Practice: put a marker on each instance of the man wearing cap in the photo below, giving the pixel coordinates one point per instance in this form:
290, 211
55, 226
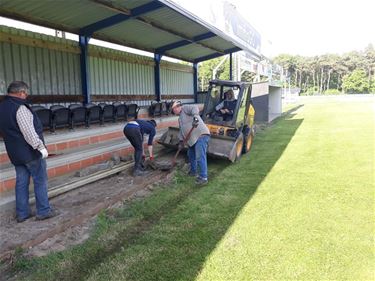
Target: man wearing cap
23, 137
198, 141
134, 131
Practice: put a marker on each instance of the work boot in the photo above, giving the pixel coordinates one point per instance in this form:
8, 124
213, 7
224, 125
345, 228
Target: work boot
31, 214
192, 173
52, 213
201, 181
138, 173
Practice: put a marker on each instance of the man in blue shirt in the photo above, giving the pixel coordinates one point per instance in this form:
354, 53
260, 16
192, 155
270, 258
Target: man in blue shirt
134, 131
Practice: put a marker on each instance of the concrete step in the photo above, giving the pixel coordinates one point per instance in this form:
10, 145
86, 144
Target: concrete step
68, 139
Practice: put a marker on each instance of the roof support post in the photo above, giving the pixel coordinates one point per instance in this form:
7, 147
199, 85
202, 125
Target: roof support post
195, 81
157, 59
85, 80
231, 66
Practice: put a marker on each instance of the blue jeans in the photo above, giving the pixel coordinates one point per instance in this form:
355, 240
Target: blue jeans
198, 156
37, 169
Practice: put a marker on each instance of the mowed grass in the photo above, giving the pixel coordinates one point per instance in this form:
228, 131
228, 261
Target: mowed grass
299, 206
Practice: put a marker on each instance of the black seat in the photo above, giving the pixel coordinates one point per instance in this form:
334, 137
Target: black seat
121, 111
94, 114
155, 109
132, 111
164, 108
44, 115
60, 116
108, 112
78, 115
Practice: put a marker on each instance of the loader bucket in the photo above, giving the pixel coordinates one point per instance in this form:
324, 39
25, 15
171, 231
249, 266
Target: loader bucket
219, 146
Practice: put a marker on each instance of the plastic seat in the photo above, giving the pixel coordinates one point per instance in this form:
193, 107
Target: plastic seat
155, 109
44, 114
60, 116
132, 111
94, 114
78, 115
108, 112
164, 108
121, 111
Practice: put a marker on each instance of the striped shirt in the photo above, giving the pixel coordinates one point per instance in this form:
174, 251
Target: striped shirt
25, 121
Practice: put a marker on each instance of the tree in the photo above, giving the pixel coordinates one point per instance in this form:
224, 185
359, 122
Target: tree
356, 82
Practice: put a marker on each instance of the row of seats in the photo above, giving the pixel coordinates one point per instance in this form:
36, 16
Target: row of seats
160, 108
58, 116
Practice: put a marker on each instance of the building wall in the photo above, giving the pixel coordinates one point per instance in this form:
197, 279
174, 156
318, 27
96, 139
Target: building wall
51, 66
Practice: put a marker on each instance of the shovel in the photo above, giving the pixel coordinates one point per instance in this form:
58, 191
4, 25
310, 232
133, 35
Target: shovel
172, 164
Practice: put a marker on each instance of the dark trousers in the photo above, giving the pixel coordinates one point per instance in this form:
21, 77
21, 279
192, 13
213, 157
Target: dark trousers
135, 137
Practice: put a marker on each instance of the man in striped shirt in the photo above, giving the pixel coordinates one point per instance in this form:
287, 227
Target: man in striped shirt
23, 137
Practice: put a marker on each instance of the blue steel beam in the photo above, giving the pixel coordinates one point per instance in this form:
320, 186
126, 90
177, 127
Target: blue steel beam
195, 81
113, 20
215, 55
85, 80
163, 49
157, 59
230, 66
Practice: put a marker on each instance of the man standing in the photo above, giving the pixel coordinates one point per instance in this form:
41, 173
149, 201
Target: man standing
23, 136
198, 141
134, 131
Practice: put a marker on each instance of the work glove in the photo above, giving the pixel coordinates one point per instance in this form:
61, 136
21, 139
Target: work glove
44, 153
180, 145
195, 122
151, 158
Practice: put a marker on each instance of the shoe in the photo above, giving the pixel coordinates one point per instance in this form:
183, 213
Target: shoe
31, 214
201, 181
192, 174
52, 213
138, 173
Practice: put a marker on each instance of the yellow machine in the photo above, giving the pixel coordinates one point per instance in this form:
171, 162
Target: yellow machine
231, 135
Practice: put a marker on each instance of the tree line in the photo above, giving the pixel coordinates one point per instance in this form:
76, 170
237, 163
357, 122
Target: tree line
352, 72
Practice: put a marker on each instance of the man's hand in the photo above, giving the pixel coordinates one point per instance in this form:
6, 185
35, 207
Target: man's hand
195, 122
180, 145
151, 158
44, 153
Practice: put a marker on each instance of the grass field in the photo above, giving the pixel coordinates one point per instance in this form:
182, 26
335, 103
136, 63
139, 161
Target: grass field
299, 206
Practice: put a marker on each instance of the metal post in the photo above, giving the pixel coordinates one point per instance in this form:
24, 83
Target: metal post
85, 79
230, 67
195, 81
157, 59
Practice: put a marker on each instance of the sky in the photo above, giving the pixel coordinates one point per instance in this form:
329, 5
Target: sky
304, 27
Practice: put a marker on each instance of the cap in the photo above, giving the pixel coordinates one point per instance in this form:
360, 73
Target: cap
176, 103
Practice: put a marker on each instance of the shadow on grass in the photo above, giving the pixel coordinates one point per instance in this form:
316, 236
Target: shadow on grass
178, 245
170, 237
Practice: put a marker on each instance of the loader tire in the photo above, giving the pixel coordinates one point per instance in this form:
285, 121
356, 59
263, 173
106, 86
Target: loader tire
248, 143
239, 146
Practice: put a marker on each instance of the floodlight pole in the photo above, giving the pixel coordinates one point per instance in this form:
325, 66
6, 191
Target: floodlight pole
230, 67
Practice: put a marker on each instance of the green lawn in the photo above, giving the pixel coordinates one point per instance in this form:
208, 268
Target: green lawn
300, 205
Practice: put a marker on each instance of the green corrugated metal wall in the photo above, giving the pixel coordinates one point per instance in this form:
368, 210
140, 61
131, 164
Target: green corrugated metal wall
50, 65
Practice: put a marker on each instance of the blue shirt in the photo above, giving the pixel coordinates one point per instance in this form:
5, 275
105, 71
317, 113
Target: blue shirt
146, 128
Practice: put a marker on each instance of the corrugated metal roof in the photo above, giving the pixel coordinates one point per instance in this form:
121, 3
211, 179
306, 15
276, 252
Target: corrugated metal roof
155, 26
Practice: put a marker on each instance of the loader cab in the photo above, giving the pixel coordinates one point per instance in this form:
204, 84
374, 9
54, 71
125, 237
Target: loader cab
215, 98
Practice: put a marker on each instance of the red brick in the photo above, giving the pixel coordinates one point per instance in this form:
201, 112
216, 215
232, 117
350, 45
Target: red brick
83, 142
73, 144
75, 166
62, 170
85, 163
4, 158
94, 139
61, 146
51, 173
97, 159
9, 184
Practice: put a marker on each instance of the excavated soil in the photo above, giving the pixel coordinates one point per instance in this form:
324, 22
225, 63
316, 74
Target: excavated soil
78, 209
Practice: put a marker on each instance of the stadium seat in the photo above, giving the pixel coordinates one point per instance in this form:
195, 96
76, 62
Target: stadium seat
155, 109
94, 114
120, 111
60, 117
108, 112
44, 115
132, 111
78, 115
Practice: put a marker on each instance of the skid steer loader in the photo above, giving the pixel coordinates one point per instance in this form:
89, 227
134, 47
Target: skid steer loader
231, 136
